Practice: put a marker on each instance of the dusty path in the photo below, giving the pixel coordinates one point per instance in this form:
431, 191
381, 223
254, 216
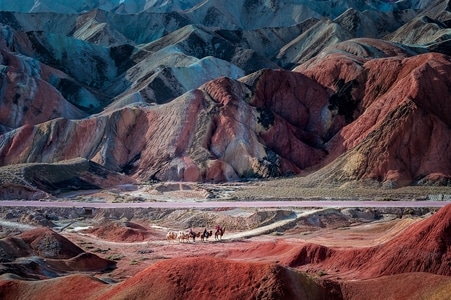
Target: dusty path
17, 225
271, 227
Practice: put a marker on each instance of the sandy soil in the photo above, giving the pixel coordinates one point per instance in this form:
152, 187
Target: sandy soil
133, 257
295, 238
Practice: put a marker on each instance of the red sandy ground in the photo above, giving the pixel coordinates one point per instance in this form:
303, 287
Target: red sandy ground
400, 259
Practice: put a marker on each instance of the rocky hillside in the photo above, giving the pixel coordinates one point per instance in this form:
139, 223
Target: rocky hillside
409, 259
42, 253
179, 90
423, 247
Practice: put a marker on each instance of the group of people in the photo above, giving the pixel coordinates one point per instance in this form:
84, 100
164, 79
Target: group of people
205, 234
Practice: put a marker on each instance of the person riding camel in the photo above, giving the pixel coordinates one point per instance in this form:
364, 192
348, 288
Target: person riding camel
191, 232
205, 232
218, 228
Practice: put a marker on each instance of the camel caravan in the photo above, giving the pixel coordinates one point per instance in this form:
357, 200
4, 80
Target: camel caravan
186, 236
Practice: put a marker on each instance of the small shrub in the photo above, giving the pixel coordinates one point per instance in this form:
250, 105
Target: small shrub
115, 257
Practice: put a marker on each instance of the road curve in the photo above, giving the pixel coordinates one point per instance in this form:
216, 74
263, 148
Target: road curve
226, 204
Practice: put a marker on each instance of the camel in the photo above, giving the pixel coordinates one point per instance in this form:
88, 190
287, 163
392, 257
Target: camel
194, 235
219, 233
205, 235
183, 236
171, 236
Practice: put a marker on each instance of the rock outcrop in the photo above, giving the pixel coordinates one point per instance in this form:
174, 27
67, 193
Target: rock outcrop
218, 92
42, 253
423, 247
274, 123
40, 181
396, 107
121, 232
222, 131
186, 277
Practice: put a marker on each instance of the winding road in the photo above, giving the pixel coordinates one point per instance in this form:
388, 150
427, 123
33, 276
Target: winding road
226, 204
